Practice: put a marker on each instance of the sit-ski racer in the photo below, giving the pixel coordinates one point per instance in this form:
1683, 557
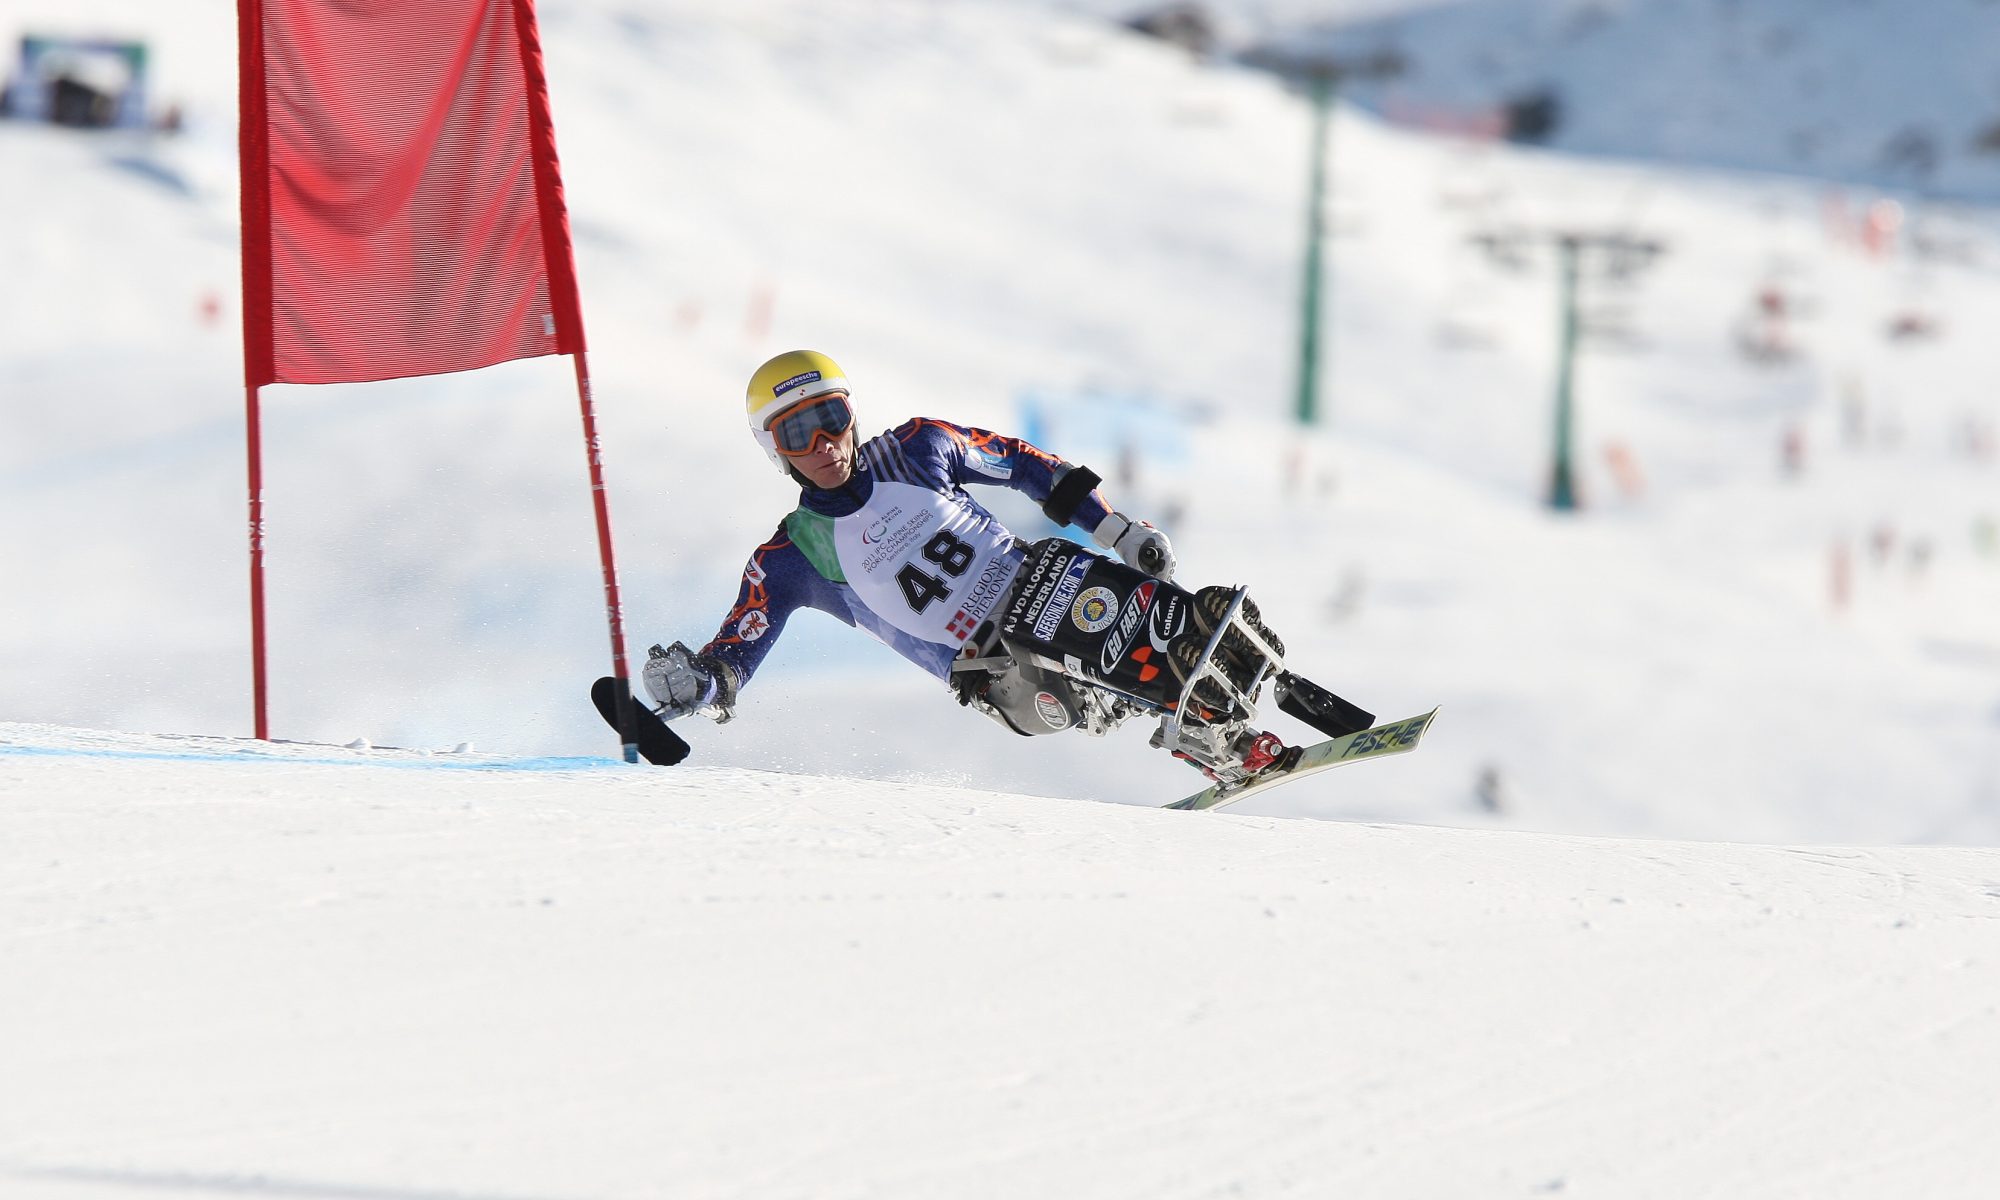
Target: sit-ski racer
887, 539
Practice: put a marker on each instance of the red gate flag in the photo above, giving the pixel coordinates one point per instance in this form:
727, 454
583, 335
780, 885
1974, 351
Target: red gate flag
402, 208
402, 215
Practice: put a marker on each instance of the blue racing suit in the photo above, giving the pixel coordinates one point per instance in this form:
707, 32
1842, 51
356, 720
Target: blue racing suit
901, 550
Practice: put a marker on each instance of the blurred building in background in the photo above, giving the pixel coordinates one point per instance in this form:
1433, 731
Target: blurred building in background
84, 83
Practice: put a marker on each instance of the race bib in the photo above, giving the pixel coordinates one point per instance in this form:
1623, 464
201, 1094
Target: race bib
924, 564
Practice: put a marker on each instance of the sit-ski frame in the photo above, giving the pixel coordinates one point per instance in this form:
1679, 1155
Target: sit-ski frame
1183, 730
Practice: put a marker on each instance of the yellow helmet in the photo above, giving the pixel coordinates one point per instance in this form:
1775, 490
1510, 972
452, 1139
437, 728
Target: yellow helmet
781, 383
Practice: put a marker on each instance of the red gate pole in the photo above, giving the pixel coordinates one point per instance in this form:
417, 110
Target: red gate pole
614, 611
254, 155
253, 426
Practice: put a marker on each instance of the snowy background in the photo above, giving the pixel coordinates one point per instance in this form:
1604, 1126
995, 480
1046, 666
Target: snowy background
867, 945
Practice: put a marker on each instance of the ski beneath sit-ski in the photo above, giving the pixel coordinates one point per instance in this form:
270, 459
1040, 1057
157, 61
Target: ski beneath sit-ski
1395, 737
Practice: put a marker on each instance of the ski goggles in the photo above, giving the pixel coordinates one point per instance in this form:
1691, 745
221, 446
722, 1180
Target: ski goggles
798, 430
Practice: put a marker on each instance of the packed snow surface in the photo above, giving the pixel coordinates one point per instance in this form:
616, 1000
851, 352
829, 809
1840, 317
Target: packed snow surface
288, 970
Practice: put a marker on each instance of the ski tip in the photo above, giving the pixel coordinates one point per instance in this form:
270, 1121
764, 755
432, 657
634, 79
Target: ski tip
1379, 741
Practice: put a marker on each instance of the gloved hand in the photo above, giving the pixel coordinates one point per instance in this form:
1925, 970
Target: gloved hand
1138, 543
680, 681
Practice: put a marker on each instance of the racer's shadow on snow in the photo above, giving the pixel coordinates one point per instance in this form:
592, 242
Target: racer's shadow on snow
242, 1185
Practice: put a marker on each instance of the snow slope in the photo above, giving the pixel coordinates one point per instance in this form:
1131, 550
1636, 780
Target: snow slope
1867, 91
1877, 93
1035, 201
293, 970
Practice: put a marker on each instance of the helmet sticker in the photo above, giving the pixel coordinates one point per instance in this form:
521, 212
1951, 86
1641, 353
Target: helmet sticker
798, 380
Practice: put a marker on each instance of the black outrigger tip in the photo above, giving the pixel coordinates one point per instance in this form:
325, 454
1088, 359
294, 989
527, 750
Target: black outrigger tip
1319, 708
657, 743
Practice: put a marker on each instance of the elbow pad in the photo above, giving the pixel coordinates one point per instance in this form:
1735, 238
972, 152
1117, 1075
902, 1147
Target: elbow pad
1073, 486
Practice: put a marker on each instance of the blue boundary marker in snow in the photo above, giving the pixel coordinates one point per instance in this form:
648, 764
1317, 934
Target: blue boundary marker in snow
438, 763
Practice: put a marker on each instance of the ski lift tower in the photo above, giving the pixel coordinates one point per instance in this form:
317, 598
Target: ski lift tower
1319, 72
1615, 254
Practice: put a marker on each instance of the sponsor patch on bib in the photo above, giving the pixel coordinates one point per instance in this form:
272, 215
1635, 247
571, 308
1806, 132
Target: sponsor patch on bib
1095, 610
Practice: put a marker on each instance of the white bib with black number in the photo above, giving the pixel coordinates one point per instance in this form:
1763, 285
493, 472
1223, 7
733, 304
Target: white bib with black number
924, 564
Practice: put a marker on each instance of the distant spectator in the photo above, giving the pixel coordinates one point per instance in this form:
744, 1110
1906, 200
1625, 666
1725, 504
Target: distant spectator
1919, 559
1882, 542
1792, 455
1533, 117
1185, 25
1880, 227
1853, 411
1490, 789
1623, 463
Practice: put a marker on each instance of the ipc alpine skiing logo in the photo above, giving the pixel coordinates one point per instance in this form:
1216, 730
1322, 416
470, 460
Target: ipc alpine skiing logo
880, 529
1094, 611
